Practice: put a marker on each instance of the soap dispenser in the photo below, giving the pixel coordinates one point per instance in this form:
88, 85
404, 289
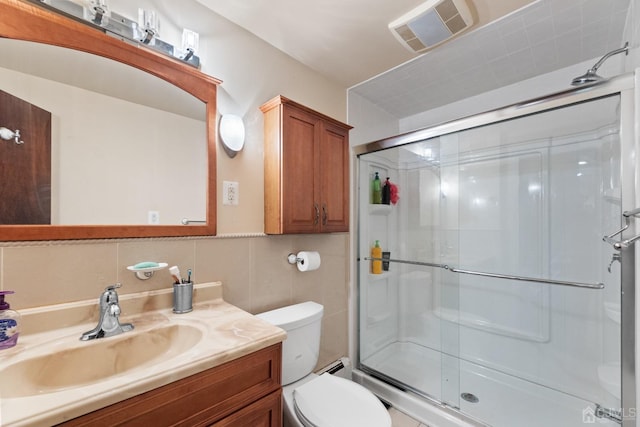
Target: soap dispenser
9, 323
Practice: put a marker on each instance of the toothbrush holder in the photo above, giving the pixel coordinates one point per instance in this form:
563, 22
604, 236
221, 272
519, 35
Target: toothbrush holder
182, 297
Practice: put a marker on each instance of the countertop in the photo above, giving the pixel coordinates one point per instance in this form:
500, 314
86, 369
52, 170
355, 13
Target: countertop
228, 333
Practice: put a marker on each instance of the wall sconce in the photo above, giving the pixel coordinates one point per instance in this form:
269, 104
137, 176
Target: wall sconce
231, 134
8, 135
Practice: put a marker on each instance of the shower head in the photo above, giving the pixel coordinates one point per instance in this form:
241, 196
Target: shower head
588, 78
591, 77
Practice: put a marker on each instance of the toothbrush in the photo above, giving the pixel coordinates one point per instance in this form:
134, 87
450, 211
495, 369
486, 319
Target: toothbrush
189, 276
175, 272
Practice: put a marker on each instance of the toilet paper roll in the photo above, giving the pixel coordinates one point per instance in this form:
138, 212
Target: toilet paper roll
308, 260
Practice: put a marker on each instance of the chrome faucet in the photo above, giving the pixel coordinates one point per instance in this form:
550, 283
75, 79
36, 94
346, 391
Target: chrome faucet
108, 323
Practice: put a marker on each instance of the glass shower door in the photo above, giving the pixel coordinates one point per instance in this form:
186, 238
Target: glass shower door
536, 195
501, 298
401, 339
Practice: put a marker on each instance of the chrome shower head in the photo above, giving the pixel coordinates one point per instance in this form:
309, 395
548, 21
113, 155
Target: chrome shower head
588, 78
591, 77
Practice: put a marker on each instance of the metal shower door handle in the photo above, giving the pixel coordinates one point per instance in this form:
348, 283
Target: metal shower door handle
619, 245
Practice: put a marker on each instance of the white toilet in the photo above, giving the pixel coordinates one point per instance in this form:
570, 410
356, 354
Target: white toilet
312, 400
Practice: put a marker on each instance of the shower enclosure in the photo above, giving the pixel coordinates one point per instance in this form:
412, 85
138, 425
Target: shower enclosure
501, 302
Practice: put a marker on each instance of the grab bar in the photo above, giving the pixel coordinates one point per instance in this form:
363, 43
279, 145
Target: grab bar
598, 285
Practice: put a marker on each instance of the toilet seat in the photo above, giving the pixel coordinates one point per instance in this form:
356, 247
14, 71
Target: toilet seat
330, 401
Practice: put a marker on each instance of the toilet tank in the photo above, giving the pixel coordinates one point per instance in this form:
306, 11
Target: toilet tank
301, 348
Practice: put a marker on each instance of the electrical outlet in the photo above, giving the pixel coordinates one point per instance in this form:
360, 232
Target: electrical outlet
230, 193
153, 217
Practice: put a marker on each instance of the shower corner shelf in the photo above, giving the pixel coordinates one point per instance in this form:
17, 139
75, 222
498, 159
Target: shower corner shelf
382, 210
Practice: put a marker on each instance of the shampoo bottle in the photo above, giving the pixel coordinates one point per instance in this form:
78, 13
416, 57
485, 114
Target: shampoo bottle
377, 190
9, 323
376, 263
386, 192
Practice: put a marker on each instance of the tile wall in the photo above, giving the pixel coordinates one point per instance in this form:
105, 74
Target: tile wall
254, 271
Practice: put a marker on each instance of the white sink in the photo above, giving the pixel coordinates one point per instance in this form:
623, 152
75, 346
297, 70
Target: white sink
93, 361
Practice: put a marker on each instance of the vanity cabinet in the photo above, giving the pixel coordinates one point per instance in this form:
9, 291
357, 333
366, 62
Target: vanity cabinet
240, 393
306, 170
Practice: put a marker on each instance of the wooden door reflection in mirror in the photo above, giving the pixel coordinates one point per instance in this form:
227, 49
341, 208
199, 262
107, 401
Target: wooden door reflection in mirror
25, 176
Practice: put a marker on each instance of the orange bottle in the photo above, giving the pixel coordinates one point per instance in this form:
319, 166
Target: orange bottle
376, 263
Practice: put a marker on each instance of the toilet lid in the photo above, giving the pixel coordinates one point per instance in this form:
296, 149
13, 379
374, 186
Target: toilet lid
330, 401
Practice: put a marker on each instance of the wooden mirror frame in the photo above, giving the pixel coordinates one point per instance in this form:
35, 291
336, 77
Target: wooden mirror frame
29, 22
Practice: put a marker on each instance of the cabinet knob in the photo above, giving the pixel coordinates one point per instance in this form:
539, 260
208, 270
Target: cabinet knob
324, 214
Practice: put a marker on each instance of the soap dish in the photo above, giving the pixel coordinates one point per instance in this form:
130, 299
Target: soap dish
144, 273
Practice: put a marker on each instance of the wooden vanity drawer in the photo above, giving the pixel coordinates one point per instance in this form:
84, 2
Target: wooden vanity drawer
251, 382
266, 412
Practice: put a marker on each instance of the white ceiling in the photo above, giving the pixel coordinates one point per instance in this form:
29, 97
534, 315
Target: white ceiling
349, 42
346, 40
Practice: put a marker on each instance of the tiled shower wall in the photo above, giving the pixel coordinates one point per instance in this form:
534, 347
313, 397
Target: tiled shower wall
253, 270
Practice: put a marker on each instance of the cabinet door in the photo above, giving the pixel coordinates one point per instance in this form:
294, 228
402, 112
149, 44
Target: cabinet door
301, 208
266, 412
334, 175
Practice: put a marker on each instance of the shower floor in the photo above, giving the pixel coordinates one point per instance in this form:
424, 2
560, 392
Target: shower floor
413, 365
503, 400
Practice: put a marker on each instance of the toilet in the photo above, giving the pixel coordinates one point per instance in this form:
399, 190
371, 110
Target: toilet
312, 400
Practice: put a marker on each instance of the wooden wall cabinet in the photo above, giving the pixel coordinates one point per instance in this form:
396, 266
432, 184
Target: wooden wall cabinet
240, 393
306, 170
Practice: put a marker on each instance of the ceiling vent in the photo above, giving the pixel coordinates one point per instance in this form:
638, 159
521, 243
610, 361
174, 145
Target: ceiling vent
432, 23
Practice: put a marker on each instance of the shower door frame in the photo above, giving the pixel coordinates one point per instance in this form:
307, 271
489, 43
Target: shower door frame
624, 85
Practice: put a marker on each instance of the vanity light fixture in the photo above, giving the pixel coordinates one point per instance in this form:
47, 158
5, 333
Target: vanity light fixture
144, 31
96, 11
190, 44
231, 134
148, 31
149, 25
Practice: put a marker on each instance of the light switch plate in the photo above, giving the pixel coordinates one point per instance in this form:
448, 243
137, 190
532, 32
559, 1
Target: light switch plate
153, 217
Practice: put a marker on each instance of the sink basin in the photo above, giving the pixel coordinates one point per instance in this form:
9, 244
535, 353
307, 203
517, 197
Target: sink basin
96, 360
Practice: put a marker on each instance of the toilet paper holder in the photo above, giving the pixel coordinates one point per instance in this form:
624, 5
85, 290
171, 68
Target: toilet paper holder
293, 259
305, 260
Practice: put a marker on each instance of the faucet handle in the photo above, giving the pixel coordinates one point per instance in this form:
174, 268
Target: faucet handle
109, 296
113, 287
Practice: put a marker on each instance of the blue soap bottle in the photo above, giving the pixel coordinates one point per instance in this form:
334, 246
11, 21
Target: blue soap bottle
9, 323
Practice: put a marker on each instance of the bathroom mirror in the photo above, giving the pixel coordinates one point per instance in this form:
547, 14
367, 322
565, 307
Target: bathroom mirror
138, 148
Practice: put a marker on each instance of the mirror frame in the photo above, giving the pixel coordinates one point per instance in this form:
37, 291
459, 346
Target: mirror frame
26, 21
